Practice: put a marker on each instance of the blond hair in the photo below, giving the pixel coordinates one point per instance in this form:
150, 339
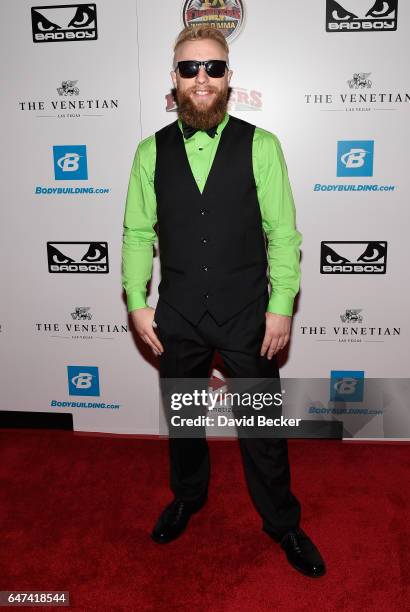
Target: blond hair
201, 32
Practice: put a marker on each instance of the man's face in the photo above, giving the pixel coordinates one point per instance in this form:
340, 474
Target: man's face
202, 100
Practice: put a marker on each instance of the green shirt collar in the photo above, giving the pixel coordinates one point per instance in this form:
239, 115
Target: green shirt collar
221, 125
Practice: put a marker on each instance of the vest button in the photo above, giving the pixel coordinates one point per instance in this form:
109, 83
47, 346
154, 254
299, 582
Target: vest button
206, 295
202, 211
204, 240
205, 268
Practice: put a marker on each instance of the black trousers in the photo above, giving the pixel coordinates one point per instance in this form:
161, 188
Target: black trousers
188, 353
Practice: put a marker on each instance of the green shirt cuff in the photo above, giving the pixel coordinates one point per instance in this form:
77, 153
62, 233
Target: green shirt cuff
136, 300
280, 304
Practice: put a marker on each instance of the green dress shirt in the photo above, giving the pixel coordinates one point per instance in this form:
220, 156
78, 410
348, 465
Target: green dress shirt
275, 201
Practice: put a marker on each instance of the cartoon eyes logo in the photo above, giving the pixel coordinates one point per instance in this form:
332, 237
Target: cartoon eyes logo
84, 16
97, 251
63, 23
373, 252
347, 10
78, 257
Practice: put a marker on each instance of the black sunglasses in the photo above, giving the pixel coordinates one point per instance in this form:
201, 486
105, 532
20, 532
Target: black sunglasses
190, 68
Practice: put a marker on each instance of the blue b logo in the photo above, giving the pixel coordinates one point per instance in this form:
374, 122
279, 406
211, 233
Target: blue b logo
70, 162
346, 385
83, 380
355, 158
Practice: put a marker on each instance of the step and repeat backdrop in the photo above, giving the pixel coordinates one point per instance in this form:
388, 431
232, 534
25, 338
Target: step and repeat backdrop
84, 83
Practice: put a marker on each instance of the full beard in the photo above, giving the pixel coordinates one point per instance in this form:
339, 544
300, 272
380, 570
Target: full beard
202, 117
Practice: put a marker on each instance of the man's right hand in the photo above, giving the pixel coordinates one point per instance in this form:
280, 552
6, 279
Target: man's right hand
142, 319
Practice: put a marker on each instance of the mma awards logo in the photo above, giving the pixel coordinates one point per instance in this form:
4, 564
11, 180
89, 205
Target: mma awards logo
361, 15
353, 257
224, 15
64, 22
78, 257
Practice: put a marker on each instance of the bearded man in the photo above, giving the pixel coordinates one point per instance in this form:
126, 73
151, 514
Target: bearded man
213, 187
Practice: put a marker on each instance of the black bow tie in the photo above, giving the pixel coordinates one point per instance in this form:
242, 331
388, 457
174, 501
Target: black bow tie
189, 131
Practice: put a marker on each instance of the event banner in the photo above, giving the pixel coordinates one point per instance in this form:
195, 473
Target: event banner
84, 83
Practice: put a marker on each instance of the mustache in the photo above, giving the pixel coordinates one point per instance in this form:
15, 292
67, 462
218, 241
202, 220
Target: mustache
191, 89
207, 88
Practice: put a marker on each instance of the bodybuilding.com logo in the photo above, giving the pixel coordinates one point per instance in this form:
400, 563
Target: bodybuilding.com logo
354, 159
83, 380
64, 22
70, 164
353, 402
346, 385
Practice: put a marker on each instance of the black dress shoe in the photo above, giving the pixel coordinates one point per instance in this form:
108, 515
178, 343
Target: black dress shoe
302, 554
174, 519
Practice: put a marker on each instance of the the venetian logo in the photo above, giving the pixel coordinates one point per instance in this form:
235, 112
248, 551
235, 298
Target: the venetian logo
68, 88
81, 313
352, 315
224, 15
360, 80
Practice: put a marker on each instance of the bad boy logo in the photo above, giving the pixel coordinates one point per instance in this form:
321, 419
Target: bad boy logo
78, 257
353, 257
361, 15
64, 22
224, 15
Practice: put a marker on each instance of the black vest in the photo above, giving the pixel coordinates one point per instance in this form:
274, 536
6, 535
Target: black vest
212, 246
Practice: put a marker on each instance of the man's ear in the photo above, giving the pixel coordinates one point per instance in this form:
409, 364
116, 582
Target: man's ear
174, 77
230, 73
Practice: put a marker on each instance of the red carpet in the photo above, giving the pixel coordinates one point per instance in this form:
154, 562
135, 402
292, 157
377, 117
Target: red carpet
76, 512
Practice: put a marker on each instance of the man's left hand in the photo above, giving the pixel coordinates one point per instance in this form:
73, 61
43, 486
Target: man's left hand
277, 333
